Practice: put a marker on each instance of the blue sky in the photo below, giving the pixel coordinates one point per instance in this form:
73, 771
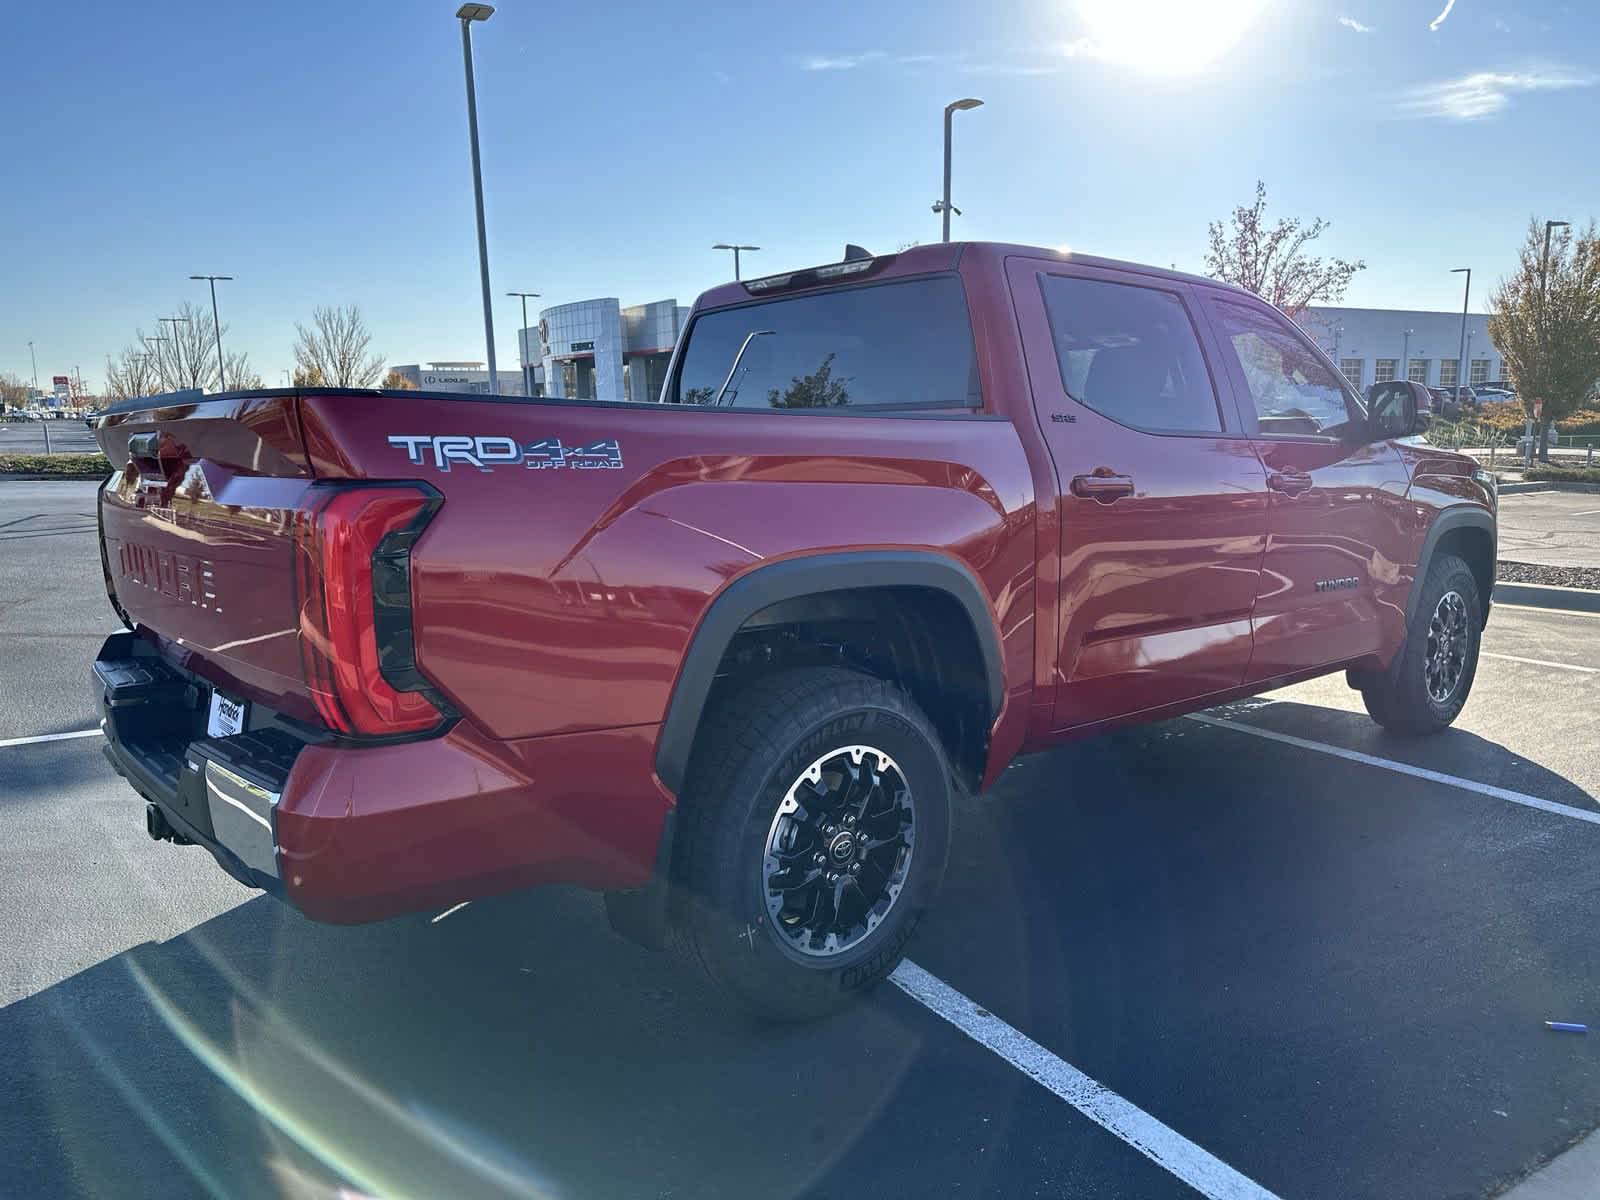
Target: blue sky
318, 152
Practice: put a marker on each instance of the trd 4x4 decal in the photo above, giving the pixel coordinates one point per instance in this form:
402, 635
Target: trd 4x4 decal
486, 453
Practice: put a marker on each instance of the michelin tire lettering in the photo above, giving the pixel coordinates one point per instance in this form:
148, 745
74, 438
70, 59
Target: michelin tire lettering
487, 453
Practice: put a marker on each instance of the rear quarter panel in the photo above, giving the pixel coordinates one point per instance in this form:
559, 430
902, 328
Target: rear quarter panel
557, 600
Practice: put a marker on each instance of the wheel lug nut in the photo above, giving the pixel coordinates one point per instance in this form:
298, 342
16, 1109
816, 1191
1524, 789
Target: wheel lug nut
819, 858
855, 868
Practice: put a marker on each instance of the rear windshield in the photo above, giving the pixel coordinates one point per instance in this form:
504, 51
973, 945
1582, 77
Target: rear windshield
889, 345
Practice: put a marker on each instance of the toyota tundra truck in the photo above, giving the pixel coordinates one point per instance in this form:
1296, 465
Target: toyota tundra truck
731, 656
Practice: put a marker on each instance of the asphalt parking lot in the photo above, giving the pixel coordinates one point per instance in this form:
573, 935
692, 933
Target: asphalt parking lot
1272, 951
1558, 528
66, 437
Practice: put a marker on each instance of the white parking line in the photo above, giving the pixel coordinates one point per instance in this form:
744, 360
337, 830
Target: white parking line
49, 737
1388, 764
1201, 1170
1588, 512
1539, 662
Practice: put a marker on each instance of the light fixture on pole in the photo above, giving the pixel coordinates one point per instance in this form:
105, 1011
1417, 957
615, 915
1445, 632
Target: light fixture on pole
942, 207
522, 343
468, 13
216, 324
735, 249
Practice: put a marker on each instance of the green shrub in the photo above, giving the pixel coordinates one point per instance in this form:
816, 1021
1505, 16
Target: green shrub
83, 466
1551, 473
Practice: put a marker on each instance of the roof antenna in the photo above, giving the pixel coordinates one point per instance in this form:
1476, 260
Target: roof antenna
855, 253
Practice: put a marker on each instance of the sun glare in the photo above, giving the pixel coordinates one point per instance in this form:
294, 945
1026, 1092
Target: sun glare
1167, 37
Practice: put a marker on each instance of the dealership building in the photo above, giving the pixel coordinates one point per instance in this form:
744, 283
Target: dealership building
598, 350
470, 377
1374, 344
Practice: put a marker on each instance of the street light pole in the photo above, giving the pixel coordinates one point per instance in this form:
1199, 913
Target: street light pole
161, 368
177, 346
468, 13
950, 111
735, 249
1405, 356
1544, 311
216, 324
35, 363
522, 343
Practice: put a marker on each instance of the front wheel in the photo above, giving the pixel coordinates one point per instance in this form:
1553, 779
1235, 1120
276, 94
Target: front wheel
814, 831
1425, 688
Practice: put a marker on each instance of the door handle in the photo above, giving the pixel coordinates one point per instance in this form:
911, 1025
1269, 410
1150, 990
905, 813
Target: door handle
1104, 488
1290, 483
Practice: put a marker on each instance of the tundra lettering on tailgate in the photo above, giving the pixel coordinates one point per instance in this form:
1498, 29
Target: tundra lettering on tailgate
177, 576
486, 453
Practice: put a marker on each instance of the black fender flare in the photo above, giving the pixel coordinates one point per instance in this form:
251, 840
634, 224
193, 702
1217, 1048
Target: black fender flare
791, 579
1463, 516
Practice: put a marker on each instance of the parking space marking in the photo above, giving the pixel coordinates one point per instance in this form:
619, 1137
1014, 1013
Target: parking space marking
1160, 1143
1389, 764
1588, 512
1540, 608
1539, 662
48, 737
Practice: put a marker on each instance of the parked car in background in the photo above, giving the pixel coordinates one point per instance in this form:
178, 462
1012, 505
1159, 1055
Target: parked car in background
730, 658
1443, 404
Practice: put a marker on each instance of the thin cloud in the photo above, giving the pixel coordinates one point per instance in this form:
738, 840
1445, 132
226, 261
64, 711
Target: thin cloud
1439, 20
1486, 93
1021, 62
842, 62
1352, 23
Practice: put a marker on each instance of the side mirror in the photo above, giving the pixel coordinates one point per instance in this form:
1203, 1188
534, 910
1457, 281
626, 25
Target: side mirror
1397, 408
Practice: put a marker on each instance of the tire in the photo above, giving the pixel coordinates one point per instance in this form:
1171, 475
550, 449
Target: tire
769, 747
1425, 688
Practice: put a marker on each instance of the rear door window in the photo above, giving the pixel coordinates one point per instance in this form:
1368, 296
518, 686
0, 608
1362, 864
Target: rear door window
1131, 353
1294, 391
881, 346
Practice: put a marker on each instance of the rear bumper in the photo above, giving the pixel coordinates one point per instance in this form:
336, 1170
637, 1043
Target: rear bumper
349, 834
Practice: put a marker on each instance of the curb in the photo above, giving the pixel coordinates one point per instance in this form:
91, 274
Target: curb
13, 477
1547, 595
1546, 485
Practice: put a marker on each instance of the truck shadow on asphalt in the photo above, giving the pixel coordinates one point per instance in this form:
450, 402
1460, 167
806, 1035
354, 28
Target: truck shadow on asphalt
1455, 751
1188, 914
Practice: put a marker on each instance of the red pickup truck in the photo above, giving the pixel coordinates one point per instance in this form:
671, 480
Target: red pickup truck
729, 657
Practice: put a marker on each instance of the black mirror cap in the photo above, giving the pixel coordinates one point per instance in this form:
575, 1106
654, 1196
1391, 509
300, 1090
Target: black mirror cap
1414, 414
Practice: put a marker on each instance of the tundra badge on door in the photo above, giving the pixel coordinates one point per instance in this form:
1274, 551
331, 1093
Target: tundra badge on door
1338, 585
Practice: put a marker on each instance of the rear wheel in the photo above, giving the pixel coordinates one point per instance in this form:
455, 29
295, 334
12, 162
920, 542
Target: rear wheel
1425, 688
815, 827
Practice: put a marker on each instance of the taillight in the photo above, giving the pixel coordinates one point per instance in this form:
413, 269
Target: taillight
353, 584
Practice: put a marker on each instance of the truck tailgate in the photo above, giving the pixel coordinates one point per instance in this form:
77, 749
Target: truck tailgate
197, 525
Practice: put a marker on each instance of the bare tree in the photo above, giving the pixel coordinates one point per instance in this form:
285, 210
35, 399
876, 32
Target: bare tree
13, 391
1271, 260
335, 350
241, 375
184, 353
132, 373
1545, 320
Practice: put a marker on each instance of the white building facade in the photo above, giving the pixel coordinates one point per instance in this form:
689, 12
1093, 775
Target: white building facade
598, 350
469, 377
1372, 345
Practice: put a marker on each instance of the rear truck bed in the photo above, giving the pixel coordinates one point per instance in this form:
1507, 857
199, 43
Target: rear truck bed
449, 631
